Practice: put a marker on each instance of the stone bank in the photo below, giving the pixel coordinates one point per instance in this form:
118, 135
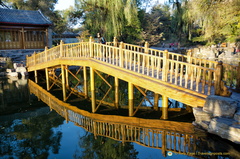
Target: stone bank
220, 116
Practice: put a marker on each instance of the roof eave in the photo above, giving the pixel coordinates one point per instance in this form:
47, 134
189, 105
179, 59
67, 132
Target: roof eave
25, 24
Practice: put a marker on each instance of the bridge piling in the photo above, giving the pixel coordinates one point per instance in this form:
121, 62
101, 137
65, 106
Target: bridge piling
67, 76
130, 98
116, 81
92, 81
47, 78
35, 76
156, 99
85, 81
164, 107
63, 82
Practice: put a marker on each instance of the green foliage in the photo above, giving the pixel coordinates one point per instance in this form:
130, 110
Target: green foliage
112, 18
218, 19
156, 24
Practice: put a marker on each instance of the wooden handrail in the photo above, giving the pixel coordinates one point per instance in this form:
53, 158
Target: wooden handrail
191, 73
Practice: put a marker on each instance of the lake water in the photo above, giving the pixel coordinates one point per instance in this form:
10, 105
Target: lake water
29, 128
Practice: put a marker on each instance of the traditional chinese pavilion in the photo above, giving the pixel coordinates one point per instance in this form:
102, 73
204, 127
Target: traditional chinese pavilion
24, 29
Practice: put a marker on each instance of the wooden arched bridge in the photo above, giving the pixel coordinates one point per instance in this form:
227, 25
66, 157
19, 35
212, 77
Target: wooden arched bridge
180, 77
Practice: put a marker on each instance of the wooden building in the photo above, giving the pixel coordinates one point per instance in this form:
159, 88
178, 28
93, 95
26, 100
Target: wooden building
24, 29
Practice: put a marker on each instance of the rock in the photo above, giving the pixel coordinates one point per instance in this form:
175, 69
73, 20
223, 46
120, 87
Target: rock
201, 115
21, 69
237, 116
203, 124
225, 128
12, 74
8, 70
220, 106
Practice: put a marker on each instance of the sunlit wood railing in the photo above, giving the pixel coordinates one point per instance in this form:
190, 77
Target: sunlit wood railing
182, 70
181, 140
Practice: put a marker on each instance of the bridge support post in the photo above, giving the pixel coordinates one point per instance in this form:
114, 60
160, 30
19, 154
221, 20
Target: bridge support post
63, 82
92, 90
164, 107
35, 75
130, 98
156, 99
116, 92
67, 80
85, 81
47, 78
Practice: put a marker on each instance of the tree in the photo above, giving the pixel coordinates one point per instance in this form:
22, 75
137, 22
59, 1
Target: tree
156, 24
112, 18
219, 20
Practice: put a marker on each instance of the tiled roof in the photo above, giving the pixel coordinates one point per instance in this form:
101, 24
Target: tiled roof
24, 17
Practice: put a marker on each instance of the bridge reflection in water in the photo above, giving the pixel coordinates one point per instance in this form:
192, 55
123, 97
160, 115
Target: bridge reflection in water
176, 137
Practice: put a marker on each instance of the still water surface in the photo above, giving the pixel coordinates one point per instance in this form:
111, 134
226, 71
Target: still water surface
31, 129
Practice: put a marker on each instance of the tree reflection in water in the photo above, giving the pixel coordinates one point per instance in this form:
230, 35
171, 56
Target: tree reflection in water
103, 147
31, 138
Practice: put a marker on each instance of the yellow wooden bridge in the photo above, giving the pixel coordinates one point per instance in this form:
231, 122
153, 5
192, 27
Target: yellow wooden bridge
180, 77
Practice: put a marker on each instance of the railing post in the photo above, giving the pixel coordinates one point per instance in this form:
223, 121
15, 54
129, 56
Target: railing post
218, 77
61, 48
115, 41
189, 56
46, 56
238, 77
146, 49
91, 46
121, 54
165, 66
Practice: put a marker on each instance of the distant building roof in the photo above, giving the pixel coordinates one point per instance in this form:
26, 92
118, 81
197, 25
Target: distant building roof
22, 17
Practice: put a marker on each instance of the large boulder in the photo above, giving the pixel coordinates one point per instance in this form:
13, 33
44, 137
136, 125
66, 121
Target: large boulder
225, 128
201, 115
237, 116
220, 106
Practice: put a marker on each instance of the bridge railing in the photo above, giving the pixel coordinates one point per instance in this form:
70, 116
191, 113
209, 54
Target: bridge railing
185, 71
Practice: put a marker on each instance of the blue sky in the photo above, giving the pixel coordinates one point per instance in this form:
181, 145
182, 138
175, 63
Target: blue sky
64, 4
